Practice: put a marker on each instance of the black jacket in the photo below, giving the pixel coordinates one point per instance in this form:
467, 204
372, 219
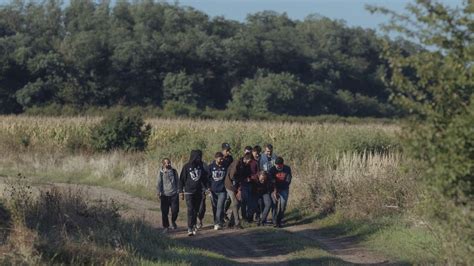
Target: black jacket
193, 177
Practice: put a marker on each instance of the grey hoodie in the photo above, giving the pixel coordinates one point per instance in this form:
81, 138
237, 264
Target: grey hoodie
168, 182
266, 164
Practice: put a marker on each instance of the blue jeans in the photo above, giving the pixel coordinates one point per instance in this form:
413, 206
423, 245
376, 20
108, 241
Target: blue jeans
218, 202
248, 204
279, 213
264, 204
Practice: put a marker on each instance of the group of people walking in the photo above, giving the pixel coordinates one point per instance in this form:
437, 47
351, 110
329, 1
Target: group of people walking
249, 187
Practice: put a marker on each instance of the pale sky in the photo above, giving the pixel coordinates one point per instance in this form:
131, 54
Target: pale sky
352, 11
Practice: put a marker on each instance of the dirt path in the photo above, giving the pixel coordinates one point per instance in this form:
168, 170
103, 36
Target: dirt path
241, 246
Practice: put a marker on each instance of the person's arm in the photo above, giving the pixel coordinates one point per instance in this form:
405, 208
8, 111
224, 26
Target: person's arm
254, 171
159, 185
205, 179
289, 176
182, 182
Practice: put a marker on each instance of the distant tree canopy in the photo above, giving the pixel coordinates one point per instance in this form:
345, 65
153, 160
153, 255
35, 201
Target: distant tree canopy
148, 53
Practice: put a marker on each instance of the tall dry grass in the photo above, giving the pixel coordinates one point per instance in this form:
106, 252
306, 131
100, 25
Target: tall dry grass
355, 168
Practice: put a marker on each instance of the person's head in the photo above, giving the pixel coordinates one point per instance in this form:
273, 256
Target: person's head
225, 149
247, 158
195, 157
219, 157
279, 163
166, 163
248, 150
269, 150
256, 152
262, 177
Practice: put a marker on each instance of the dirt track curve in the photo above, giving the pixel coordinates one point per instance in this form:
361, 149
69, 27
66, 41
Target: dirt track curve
240, 246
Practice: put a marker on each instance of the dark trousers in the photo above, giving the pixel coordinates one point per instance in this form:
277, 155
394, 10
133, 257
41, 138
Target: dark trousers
248, 203
167, 202
202, 207
193, 201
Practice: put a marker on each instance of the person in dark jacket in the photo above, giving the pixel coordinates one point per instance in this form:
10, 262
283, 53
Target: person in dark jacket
202, 205
226, 151
192, 182
237, 171
217, 173
264, 190
280, 175
167, 192
247, 187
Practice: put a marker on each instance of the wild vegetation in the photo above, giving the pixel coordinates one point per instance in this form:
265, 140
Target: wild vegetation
147, 53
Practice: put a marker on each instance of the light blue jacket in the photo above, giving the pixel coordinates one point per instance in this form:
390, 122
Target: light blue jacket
266, 164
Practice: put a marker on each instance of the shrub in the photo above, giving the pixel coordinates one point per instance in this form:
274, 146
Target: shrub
121, 131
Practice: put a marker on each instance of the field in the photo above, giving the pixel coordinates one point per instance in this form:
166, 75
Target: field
341, 172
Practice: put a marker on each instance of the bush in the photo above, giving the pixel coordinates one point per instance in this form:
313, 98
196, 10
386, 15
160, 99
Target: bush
121, 131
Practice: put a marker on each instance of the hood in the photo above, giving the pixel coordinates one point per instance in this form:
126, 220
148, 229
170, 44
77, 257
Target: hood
195, 156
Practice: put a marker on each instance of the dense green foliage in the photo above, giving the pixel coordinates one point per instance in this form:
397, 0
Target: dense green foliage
441, 99
152, 53
440, 96
121, 131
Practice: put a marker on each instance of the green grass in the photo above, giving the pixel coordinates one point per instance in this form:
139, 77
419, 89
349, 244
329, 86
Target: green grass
392, 236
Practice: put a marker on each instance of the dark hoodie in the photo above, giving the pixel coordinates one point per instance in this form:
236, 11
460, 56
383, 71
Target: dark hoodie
217, 177
193, 177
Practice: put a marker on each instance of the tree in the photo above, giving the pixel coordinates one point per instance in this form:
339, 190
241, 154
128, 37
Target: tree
440, 96
182, 88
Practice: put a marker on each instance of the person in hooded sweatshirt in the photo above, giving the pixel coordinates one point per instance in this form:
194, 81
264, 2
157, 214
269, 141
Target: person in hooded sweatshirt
248, 189
167, 192
280, 175
192, 182
202, 205
217, 173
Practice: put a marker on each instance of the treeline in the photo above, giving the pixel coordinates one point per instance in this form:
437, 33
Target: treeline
157, 54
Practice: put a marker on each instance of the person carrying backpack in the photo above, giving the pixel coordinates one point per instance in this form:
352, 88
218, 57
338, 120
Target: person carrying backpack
280, 175
217, 173
192, 182
167, 192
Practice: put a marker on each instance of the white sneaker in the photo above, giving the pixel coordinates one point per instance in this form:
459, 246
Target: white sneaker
194, 232
190, 232
199, 225
217, 227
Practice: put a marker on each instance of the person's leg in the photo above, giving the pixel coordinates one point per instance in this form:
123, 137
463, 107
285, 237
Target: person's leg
234, 207
197, 204
202, 209
214, 200
276, 209
265, 207
190, 205
251, 205
174, 209
221, 196
165, 206
244, 202
283, 202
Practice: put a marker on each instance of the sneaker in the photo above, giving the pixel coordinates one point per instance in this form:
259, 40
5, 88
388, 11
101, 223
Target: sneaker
199, 225
174, 226
165, 230
217, 227
190, 232
194, 231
